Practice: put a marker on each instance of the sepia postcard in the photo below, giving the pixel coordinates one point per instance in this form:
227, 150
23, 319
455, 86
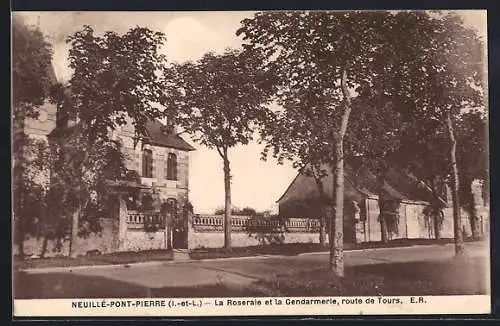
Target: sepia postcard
240, 163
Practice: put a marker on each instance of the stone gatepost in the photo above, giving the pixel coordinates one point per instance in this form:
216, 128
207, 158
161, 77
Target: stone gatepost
115, 214
168, 228
190, 232
122, 223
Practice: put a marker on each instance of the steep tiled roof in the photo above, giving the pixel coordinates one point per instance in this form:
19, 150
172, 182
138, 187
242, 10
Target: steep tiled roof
363, 183
158, 136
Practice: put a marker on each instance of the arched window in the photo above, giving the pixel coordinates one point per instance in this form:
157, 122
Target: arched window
147, 163
171, 167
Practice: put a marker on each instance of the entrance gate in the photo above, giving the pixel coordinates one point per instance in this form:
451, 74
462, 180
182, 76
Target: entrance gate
178, 229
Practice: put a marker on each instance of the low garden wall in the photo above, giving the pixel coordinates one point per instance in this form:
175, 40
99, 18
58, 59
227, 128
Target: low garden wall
207, 231
101, 241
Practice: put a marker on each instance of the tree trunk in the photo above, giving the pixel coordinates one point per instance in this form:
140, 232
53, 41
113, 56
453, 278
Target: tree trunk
454, 186
336, 238
471, 208
383, 227
384, 231
74, 232
19, 225
227, 202
437, 226
44, 246
336, 262
322, 229
474, 223
435, 209
323, 209
20, 246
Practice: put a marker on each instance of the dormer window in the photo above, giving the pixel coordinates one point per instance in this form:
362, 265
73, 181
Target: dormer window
168, 128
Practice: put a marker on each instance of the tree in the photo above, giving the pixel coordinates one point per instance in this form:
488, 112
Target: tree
218, 100
286, 136
472, 158
78, 192
436, 70
30, 188
373, 143
32, 74
325, 56
115, 77
31, 81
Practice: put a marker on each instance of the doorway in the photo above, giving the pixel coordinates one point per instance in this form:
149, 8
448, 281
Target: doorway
178, 229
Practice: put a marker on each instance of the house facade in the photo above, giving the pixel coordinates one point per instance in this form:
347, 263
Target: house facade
150, 212
405, 203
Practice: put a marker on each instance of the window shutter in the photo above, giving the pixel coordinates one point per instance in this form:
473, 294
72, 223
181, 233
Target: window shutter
137, 162
174, 167
152, 166
165, 168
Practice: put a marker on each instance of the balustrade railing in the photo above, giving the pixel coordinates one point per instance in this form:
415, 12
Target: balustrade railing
145, 220
215, 223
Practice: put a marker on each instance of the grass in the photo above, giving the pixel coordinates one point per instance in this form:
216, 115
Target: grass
465, 277
126, 257
298, 248
208, 253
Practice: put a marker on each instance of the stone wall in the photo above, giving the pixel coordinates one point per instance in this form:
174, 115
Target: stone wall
206, 231
102, 241
133, 237
137, 240
240, 239
413, 224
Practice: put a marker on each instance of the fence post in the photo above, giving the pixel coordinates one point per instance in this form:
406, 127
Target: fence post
168, 228
189, 229
122, 222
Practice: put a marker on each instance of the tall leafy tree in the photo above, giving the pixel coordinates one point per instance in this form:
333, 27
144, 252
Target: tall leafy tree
30, 189
115, 77
436, 69
321, 58
32, 77
219, 100
472, 158
287, 136
373, 143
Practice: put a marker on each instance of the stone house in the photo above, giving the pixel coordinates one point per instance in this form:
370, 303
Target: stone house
405, 199
161, 159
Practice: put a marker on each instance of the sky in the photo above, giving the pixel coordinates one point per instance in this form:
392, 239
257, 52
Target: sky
255, 183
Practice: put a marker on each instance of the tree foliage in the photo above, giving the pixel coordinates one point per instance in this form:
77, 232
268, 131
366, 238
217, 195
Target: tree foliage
322, 60
116, 80
219, 100
436, 70
31, 81
472, 158
31, 69
115, 77
30, 188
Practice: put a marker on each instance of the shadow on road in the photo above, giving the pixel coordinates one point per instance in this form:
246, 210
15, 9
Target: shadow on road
396, 279
68, 285
413, 278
